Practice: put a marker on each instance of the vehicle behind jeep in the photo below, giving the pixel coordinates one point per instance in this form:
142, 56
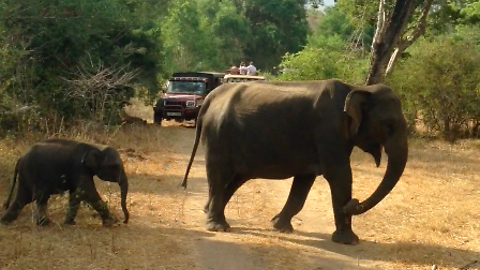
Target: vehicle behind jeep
184, 94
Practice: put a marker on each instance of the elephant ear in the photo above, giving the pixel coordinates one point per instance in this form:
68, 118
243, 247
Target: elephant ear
355, 105
91, 159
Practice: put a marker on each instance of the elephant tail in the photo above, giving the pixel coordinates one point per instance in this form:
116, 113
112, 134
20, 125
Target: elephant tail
6, 205
198, 133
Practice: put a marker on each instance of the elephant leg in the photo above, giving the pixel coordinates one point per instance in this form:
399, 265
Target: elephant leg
89, 192
217, 175
207, 205
23, 197
230, 189
101, 207
296, 199
42, 204
341, 190
72, 210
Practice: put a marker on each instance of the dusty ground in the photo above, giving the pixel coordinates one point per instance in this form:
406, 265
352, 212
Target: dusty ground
431, 217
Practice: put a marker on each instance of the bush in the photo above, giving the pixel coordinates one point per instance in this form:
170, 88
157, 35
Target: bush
440, 83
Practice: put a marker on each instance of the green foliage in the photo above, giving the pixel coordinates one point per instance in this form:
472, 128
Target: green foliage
336, 22
184, 41
46, 45
213, 34
313, 18
471, 12
334, 50
332, 60
204, 35
231, 32
277, 27
362, 12
447, 14
441, 83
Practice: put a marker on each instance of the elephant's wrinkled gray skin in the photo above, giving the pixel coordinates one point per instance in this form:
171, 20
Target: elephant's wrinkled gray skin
276, 130
57, 165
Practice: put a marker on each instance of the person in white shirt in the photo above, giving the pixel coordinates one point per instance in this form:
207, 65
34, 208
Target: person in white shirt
251, 69
243, 69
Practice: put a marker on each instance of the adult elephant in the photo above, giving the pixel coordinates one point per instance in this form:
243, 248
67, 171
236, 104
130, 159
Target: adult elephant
276, 130
57, 165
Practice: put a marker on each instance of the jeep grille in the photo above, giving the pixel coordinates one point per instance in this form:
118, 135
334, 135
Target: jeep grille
174, 103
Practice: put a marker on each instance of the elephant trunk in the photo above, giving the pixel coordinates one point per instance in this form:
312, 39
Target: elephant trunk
123, 182
397, 150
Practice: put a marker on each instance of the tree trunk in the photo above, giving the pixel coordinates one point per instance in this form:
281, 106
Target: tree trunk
387, 36
416, 31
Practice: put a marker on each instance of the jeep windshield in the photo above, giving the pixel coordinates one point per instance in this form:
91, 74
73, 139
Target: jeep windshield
186, 87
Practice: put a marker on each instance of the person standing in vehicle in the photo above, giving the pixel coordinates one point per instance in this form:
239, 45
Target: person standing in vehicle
243, 69
251, 69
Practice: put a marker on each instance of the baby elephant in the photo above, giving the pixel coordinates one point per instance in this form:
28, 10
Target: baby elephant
57, 165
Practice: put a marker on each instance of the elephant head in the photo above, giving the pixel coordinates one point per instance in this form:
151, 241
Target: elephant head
375, 120
107, 165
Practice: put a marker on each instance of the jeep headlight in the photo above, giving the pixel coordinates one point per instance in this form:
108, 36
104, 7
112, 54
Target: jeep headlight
191, 103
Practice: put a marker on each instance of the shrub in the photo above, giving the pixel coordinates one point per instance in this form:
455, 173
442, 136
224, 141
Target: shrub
440, 83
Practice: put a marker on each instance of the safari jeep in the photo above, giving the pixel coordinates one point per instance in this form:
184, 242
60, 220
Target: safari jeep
184, 94
233, 78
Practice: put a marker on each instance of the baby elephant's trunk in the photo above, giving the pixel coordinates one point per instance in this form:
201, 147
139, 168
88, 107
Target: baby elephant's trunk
123, 182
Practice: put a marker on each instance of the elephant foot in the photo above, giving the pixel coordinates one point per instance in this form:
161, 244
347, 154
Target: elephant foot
347, 237
218, 226
69, 222
44, 221
109, 221
282, 225
5, 221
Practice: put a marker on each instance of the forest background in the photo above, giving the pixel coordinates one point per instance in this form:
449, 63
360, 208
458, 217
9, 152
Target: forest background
63, 62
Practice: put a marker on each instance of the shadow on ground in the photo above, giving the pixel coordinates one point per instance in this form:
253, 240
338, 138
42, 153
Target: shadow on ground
408, 252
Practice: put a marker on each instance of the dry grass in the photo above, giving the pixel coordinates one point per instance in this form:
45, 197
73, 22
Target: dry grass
431, 217
142, 244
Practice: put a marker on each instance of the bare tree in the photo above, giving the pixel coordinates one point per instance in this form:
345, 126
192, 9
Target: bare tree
392, 36
99, 89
